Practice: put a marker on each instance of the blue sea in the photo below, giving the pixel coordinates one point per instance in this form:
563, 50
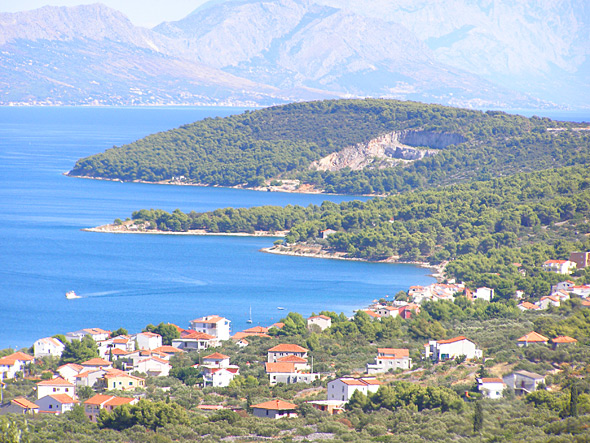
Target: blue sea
133, 280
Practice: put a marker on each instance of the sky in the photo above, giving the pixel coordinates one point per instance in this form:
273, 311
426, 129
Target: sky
146, 13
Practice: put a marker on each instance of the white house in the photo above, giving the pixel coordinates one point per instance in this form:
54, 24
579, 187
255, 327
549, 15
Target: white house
388, 311
484, 293
454, 347
90, 377
96, 334
121, 343
390, 358
212, 325
284, 350
549, 300
523, 382
491, 387
48, 346
321, 321
56, 385
93, 405
274, 409
56, 403
13, 363
69, 371
153, 366
148, 340
559, 266
342, 388
286, 372
196, 341
217, 370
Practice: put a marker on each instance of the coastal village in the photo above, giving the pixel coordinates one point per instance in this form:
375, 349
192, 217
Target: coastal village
125, 365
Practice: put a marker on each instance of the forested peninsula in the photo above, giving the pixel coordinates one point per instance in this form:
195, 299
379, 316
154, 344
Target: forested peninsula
366, 146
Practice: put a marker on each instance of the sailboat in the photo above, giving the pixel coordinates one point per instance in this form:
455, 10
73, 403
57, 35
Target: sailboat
250, 319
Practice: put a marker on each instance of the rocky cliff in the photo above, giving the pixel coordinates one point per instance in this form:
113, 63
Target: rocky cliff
388, 150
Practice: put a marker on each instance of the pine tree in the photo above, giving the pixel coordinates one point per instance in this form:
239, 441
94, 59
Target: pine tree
478, 417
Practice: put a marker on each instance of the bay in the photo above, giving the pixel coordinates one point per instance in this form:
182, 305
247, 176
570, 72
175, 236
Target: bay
132, 280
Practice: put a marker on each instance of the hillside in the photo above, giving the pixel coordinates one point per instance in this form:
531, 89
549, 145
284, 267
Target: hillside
346, 146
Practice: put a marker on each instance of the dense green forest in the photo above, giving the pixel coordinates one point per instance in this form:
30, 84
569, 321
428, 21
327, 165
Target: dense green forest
484, 227
281, 142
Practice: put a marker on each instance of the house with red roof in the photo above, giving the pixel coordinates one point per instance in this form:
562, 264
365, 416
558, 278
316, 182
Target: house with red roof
56, 404
390, 359
549, 300
48, 346
322, 322
153, 366
169, 350
388, 311
275, 409
90, 377
56, 385
212, 325
93, 405
532, 338
342, 388
527, 306
491, 387
196, 341
97, 363
69, 371
563, 340
96, 334
117, 379
19, 405
287, 372
441, 350
13, 363
217, 370
559, 266
284, 350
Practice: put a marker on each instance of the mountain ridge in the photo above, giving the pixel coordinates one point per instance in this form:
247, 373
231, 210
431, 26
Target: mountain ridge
58, 55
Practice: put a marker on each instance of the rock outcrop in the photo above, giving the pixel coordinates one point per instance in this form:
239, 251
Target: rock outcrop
388, 150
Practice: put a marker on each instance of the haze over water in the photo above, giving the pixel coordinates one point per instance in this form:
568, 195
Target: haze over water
132, 280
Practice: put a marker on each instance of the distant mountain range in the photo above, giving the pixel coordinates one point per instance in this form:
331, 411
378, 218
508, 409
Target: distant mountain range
261, 52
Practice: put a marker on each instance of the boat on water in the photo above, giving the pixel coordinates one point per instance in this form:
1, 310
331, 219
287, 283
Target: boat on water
71, 294
250, 318
280, 308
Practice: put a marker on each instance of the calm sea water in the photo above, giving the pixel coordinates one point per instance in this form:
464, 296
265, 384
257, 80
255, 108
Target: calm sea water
133, 280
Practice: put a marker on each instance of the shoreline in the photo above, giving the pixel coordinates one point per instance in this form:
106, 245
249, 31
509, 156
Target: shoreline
112, 229
297, 251
309, 189
438, 270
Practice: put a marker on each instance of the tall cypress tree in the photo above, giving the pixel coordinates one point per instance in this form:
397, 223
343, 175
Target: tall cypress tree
478, 417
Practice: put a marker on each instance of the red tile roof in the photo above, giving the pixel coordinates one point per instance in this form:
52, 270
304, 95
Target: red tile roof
167, 349
118, 351
58, 381
276, 405
11, 359
282, 367
533, 337
452, 340
287, 348
278, 325
325, 317
216, 356
195, 335
96, 362
564, 339
63, 398
392, 352
257, 329
491, 380
528, 305
292, 359
210, 319
74, 366
240, 335
24, 403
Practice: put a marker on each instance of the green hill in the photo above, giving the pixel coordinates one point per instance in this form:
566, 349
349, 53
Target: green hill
282, 142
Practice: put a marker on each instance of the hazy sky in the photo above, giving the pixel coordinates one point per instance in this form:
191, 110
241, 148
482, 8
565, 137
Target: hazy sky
146, 13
